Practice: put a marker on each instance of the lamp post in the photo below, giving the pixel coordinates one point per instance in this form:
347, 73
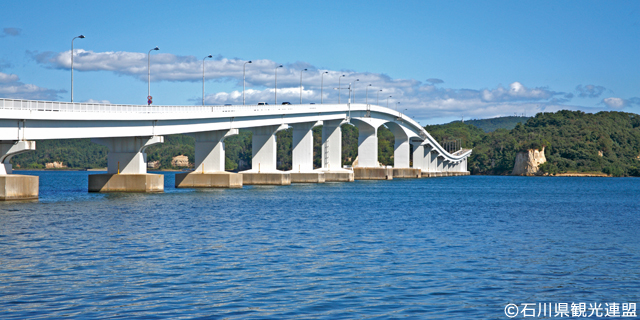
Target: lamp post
322, 85
244, 68
276, 90
339, 78
81, 37
366, 99
149, 69
388, 101
354, 91
378, 96
301, 71
209, 56
397, 104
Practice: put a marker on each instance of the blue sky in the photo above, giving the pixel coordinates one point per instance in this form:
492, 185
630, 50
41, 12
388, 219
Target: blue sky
440, 59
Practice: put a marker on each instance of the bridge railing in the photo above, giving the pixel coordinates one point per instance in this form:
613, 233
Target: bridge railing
57, 106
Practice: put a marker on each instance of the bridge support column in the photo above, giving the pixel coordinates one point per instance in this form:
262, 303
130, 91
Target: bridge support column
210, 163
332, 153
418, 155
368, 167
127, 166
16, 186
426, 161
263, 163
401, 160
302, 155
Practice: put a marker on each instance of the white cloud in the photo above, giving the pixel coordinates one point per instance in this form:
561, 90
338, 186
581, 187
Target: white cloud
12, 88
619, 103
421, 99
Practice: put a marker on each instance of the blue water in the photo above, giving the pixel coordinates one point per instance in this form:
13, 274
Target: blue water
446, 248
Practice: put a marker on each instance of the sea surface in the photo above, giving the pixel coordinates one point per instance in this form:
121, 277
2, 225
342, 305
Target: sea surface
439, 248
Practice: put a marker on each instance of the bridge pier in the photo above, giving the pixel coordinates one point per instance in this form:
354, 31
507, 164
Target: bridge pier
368, 167
401, 152
302, 154
332, 153
16, 186
210, 163
127, 166
263, 163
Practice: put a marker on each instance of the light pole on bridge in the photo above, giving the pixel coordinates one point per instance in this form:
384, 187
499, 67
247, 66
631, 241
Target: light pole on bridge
322, 85
209, 56
244, 68
388, 101
149, 71
276, 89
81, 37
378, 96
353, 100
339, 78
366, 99
301, 84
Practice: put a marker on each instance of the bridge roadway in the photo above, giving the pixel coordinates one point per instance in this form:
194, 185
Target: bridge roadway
127, 130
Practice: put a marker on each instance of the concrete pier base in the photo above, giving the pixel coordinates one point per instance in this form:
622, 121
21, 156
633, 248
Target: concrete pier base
18, 187
338, 175
209, 180
372, 173
266, 178
108, 182
407, 173
444, 174
307, 177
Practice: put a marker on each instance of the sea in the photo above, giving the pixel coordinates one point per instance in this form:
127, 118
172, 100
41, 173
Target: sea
471, 247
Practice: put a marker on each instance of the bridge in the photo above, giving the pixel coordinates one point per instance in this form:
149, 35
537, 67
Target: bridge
127, 130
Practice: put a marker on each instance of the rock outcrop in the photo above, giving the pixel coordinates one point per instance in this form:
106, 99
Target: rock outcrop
54, 165
153, 164
527, 162
180, 161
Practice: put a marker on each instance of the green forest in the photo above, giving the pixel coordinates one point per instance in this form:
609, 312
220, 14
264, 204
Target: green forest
574, 141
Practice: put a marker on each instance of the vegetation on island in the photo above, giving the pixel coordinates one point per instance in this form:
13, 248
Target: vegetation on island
574, 141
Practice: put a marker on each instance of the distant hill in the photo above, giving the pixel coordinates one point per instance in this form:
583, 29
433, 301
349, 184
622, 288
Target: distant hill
491, 125
573, 141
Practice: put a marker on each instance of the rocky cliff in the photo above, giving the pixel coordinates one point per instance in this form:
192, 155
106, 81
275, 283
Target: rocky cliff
527, 162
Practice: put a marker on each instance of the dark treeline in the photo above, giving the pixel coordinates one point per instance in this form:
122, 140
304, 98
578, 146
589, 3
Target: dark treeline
574, 141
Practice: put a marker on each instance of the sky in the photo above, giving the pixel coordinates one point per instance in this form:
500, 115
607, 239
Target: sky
436, 61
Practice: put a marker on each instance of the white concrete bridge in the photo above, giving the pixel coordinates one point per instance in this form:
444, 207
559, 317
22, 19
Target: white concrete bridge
127, 130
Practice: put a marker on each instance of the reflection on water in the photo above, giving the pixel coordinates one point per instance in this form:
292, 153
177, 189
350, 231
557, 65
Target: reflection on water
460, 247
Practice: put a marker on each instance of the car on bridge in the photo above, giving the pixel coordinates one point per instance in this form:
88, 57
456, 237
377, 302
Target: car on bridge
286, 103
262, 103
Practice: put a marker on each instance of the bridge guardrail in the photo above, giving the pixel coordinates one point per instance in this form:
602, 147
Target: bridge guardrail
57, 106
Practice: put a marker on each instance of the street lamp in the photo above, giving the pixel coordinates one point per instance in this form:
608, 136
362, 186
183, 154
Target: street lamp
397, 104
209, 56
149, 70
244, 68
388, 101
276, 91
339, 78
301, 84
322, 84
378, 96
354, 91
81, 37
367, 95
